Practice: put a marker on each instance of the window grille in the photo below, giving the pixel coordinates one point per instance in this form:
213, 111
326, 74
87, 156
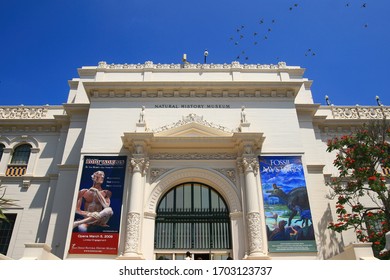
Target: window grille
192, 216
20, 157
21, 154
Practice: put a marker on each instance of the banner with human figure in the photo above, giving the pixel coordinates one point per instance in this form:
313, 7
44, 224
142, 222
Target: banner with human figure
98, 206
288, 217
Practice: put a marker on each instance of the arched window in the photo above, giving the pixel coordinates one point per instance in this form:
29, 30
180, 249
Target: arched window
19, 161
1, 150
192, 216
21, 154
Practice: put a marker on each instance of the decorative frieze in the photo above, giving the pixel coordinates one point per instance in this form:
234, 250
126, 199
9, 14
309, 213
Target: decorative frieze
191, 93
193, 156
22, 112
29, 128
358, 112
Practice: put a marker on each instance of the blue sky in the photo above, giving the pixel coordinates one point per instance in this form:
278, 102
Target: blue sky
343, 44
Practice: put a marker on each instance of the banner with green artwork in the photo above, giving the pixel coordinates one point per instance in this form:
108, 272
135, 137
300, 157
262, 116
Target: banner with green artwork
286, 205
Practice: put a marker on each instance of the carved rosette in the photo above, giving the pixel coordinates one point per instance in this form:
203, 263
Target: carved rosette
254, 232
132, 232
248, 164
139, 165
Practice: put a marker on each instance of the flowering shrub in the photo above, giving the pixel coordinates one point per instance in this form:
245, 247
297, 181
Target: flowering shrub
359, 160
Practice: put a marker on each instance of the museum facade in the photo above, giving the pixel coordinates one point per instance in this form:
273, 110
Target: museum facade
150, 161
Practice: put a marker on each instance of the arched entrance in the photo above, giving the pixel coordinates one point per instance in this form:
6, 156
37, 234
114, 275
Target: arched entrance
192, 217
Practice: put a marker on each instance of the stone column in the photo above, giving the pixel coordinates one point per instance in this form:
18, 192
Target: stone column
254, 221
133, 228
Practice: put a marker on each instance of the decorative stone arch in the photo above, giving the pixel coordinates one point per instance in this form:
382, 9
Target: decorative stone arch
5, 141
24, 139
209, 177
21, 140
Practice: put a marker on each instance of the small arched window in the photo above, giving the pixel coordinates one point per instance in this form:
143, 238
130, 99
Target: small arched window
1, 150
19, 161
21, 154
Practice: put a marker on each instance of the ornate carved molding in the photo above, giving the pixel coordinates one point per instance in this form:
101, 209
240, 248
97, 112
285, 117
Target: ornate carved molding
229, 173
248, 164
234, 65
190, 119
22, 112
193, 156
187, 92
28, 128
139, 165
254, 232
132, 232
157, 172
358, 112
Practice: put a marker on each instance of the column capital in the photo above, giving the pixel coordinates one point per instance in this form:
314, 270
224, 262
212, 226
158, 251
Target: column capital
139, 165
248, 164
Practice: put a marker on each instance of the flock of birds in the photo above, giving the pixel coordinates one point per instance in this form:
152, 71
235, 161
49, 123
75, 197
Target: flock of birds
256, 38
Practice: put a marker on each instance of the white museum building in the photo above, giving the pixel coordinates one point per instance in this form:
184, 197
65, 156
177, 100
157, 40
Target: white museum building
151, 161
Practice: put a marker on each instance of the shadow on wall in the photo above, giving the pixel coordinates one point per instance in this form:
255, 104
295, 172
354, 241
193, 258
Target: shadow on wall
328, 241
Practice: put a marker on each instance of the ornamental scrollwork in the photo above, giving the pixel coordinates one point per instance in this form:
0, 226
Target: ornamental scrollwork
254, 232
23, 112
229, 173
192, 118
157, 172
359, 112
193, 156
151, 65
132, 232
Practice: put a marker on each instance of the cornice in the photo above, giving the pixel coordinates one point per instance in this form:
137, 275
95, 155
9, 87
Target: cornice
40, 128
194, 90
76, 108
307, 108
